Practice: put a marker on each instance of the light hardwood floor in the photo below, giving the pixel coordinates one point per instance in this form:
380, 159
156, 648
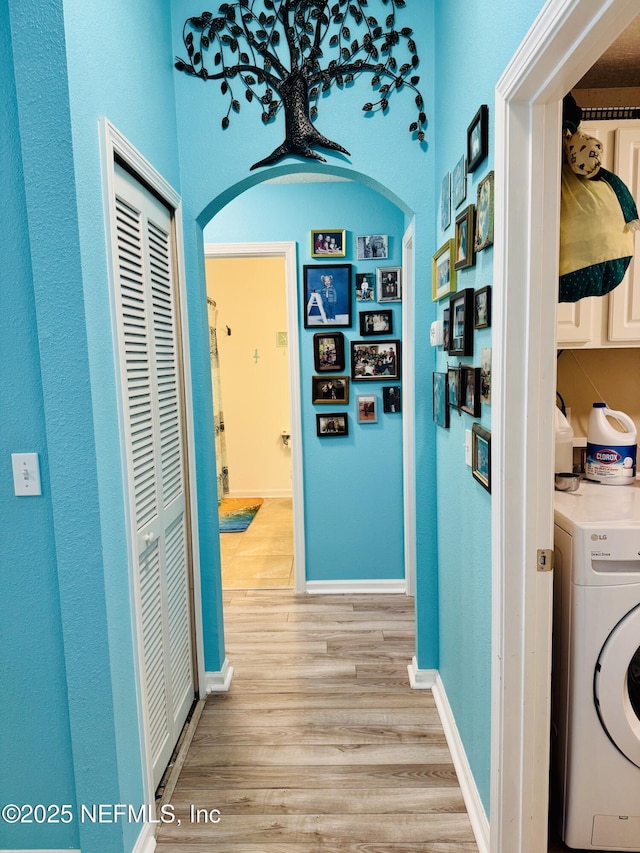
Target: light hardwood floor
320, 746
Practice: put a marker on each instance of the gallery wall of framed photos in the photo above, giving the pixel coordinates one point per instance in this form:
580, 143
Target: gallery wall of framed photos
461, 383
350, 292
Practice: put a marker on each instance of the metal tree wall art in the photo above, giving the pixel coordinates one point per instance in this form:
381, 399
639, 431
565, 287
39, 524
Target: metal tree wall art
286, 55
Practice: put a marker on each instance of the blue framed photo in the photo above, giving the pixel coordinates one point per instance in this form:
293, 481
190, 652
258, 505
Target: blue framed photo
327, 295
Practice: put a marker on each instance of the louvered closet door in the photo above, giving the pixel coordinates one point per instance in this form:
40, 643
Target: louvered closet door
151, 388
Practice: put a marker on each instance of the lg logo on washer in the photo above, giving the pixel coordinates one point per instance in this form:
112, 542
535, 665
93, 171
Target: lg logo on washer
596, 536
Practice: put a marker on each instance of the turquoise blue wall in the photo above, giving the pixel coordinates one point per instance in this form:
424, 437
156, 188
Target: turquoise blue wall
483, 40
33, 726
215, 169
352, 486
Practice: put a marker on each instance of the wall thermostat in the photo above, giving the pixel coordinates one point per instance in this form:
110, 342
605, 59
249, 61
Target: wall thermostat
437, 333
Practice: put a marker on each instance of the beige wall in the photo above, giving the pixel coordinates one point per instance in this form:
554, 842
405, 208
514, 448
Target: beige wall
251, 300
628, 97
586, 376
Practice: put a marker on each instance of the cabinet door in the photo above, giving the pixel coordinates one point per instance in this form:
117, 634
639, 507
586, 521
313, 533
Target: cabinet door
578, 322
624, 300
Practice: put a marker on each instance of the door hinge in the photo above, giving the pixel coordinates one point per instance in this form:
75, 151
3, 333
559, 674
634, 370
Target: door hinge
546, 559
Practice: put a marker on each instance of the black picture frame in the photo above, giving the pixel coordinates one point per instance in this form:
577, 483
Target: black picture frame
440, 398
464, 239
453, 387
392, 399
327, 295
446, 337
470, 390
328, 352
481, 455
482, 308
375, 360
478, 138
365, 287
376, 323
329, 390
461, 322
459, 182
332, 425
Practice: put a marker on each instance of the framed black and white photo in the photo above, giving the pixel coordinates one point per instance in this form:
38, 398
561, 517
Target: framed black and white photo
367, 406
330, 389
372, 247
376, 323
389, 284
327, 295
478, 138
441, 400
470, 390
328, 242
482, 308
328, 351
461, 322
453, 387
484, 214
332, 424
365, 287
392, 398
443, 272
459, 182
481, 455
445, 202
372, 360
464, 239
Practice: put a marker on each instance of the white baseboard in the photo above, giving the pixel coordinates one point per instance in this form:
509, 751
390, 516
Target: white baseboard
475, 809
146, 842
355, 587
260, 493
219, 682
421, 679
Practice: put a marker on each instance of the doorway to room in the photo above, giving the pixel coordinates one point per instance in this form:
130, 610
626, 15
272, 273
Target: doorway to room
248, 337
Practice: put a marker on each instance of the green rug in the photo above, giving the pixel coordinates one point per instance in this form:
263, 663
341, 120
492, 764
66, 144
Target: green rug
236, 514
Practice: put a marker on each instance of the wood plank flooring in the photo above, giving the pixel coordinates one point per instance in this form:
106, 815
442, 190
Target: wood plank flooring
320, 746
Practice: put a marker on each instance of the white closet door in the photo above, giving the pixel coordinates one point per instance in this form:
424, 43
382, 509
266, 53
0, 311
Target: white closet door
147, 320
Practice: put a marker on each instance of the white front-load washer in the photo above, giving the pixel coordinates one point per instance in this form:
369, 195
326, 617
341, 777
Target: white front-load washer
596, 666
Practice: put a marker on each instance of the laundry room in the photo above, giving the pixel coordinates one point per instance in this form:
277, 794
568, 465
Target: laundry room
595, 731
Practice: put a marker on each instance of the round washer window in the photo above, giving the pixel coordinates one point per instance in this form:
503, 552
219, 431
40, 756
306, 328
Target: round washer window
633, 682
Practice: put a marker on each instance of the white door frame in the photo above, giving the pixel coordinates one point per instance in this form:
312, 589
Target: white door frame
113, 144
286, 250
408, 409
561, 46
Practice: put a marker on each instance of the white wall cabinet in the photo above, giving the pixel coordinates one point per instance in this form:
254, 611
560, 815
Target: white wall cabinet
612, 320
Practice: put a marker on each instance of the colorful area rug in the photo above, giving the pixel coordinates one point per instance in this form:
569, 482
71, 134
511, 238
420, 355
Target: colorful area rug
236, 514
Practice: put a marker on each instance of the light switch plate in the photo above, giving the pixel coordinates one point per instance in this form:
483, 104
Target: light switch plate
26, 474
467, 447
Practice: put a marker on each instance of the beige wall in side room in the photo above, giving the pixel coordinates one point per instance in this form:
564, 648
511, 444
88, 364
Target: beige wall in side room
250, 297
587, 376
628, 97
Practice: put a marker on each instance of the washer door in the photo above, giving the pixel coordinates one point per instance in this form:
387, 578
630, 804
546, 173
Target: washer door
617, 686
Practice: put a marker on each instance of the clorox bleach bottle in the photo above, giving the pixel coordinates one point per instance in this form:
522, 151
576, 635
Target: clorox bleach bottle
611, 453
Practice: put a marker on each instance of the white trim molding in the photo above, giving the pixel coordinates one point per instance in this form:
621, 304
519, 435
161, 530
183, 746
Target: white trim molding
421, 679
470, 794
356, 587
288, 251
409, 408
562, 44
146, 842
219, 682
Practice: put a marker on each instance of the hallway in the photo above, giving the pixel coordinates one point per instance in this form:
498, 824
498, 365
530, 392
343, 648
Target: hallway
321, 745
